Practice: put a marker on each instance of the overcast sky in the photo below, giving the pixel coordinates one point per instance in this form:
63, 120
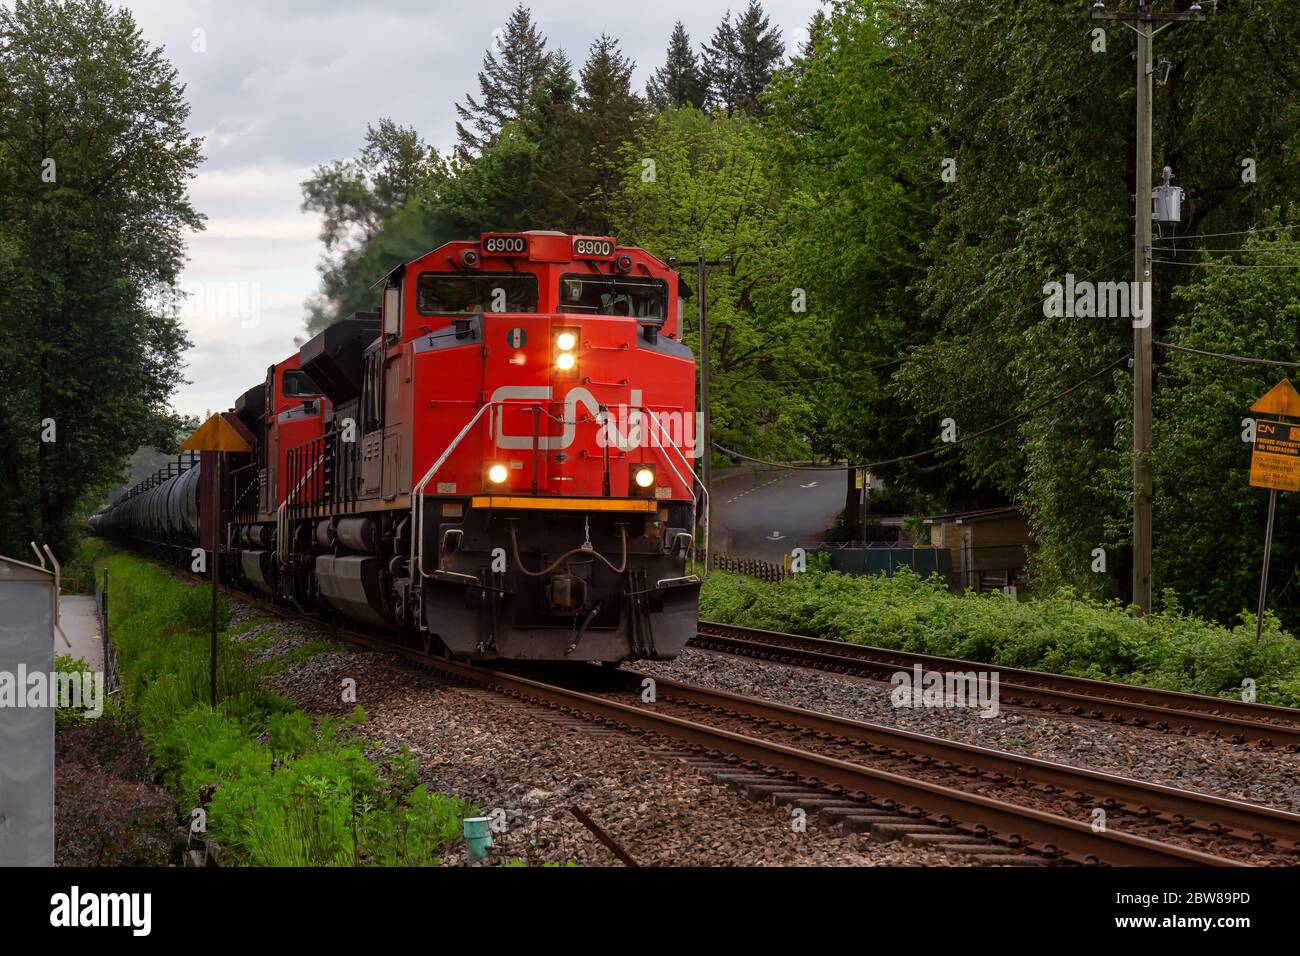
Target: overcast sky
282, 86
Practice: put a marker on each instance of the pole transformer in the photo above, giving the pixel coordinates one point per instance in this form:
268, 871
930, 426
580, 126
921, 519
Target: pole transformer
1142, 22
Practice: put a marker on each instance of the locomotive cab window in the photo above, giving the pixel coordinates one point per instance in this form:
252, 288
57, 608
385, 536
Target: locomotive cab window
441, 293
645, 299
298, 384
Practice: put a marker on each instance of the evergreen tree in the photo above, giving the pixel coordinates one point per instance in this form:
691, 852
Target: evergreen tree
740, 59
680, 81
609, 116
719, 66
507, 83
555, 200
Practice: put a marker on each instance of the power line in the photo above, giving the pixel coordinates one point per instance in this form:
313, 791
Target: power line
1227, 265
1243, 359
930, 451
1240, 232
1247, 250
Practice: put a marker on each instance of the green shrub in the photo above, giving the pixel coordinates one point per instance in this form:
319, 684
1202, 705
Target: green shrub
1061, 633
279, 787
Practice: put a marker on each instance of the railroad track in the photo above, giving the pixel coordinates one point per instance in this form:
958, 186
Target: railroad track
1165, 710
1243, 829
746, 738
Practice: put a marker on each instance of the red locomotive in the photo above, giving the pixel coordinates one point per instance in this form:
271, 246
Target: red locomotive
498, 462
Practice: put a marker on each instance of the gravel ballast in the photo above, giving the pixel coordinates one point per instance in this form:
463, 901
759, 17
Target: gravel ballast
1242, 772
531, 766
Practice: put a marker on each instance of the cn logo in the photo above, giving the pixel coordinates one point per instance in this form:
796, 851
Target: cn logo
516, 337
523, 395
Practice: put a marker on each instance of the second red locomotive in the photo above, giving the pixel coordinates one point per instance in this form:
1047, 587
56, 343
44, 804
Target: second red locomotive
498, 462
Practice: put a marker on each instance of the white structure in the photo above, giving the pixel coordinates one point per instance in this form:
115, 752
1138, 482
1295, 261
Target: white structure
28, 598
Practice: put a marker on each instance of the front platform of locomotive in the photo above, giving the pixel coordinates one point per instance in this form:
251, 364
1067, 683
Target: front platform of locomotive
555, 504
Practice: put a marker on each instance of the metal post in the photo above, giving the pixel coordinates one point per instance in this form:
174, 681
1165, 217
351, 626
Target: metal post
706, 437
863, 501
1142, 336
1263, 577
1142, 23
216, 566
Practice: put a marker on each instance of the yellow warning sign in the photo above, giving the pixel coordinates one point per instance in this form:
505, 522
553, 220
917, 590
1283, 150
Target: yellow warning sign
1275, 461
216, 434
1281, 399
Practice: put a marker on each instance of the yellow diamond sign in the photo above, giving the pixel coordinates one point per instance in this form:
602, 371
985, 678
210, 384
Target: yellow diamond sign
216, 434
1281, 399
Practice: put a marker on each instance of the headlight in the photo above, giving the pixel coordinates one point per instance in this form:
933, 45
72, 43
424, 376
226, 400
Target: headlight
565, 361
497, 474
644, 477
565, 341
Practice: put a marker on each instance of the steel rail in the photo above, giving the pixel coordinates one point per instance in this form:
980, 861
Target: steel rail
1053, 836
1048, 834
1076, 696
1247, 821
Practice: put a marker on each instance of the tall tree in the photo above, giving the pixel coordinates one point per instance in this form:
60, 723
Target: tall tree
512, 71
740, 60
1034, 130
680, 81
610, 114
95, 162
1207, 513
848, 144
554, 200
358, 199
535, 175
712, 187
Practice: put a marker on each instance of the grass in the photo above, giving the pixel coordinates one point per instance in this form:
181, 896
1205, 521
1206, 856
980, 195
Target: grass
278, 788
1060, 633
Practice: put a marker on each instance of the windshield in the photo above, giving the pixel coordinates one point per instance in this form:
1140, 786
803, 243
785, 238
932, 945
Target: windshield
645, 299
441, 293
299, 385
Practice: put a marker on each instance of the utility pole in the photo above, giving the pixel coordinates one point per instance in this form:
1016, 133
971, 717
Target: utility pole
1142, 21
705, 436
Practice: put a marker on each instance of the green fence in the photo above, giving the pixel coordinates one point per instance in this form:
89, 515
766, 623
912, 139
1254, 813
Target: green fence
924, 561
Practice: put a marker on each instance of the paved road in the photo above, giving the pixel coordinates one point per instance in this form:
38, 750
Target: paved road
764, 513
79, 623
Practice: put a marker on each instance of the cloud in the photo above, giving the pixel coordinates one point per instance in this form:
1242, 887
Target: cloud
279, 88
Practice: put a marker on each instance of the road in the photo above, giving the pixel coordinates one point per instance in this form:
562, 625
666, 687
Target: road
764, 513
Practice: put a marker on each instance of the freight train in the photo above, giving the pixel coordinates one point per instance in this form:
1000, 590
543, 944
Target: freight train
496, 464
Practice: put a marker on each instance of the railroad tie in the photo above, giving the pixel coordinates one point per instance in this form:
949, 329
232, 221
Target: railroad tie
855, 817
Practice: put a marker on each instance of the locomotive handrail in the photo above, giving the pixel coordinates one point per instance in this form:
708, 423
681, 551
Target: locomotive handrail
282, 544
697, 483
417, 494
